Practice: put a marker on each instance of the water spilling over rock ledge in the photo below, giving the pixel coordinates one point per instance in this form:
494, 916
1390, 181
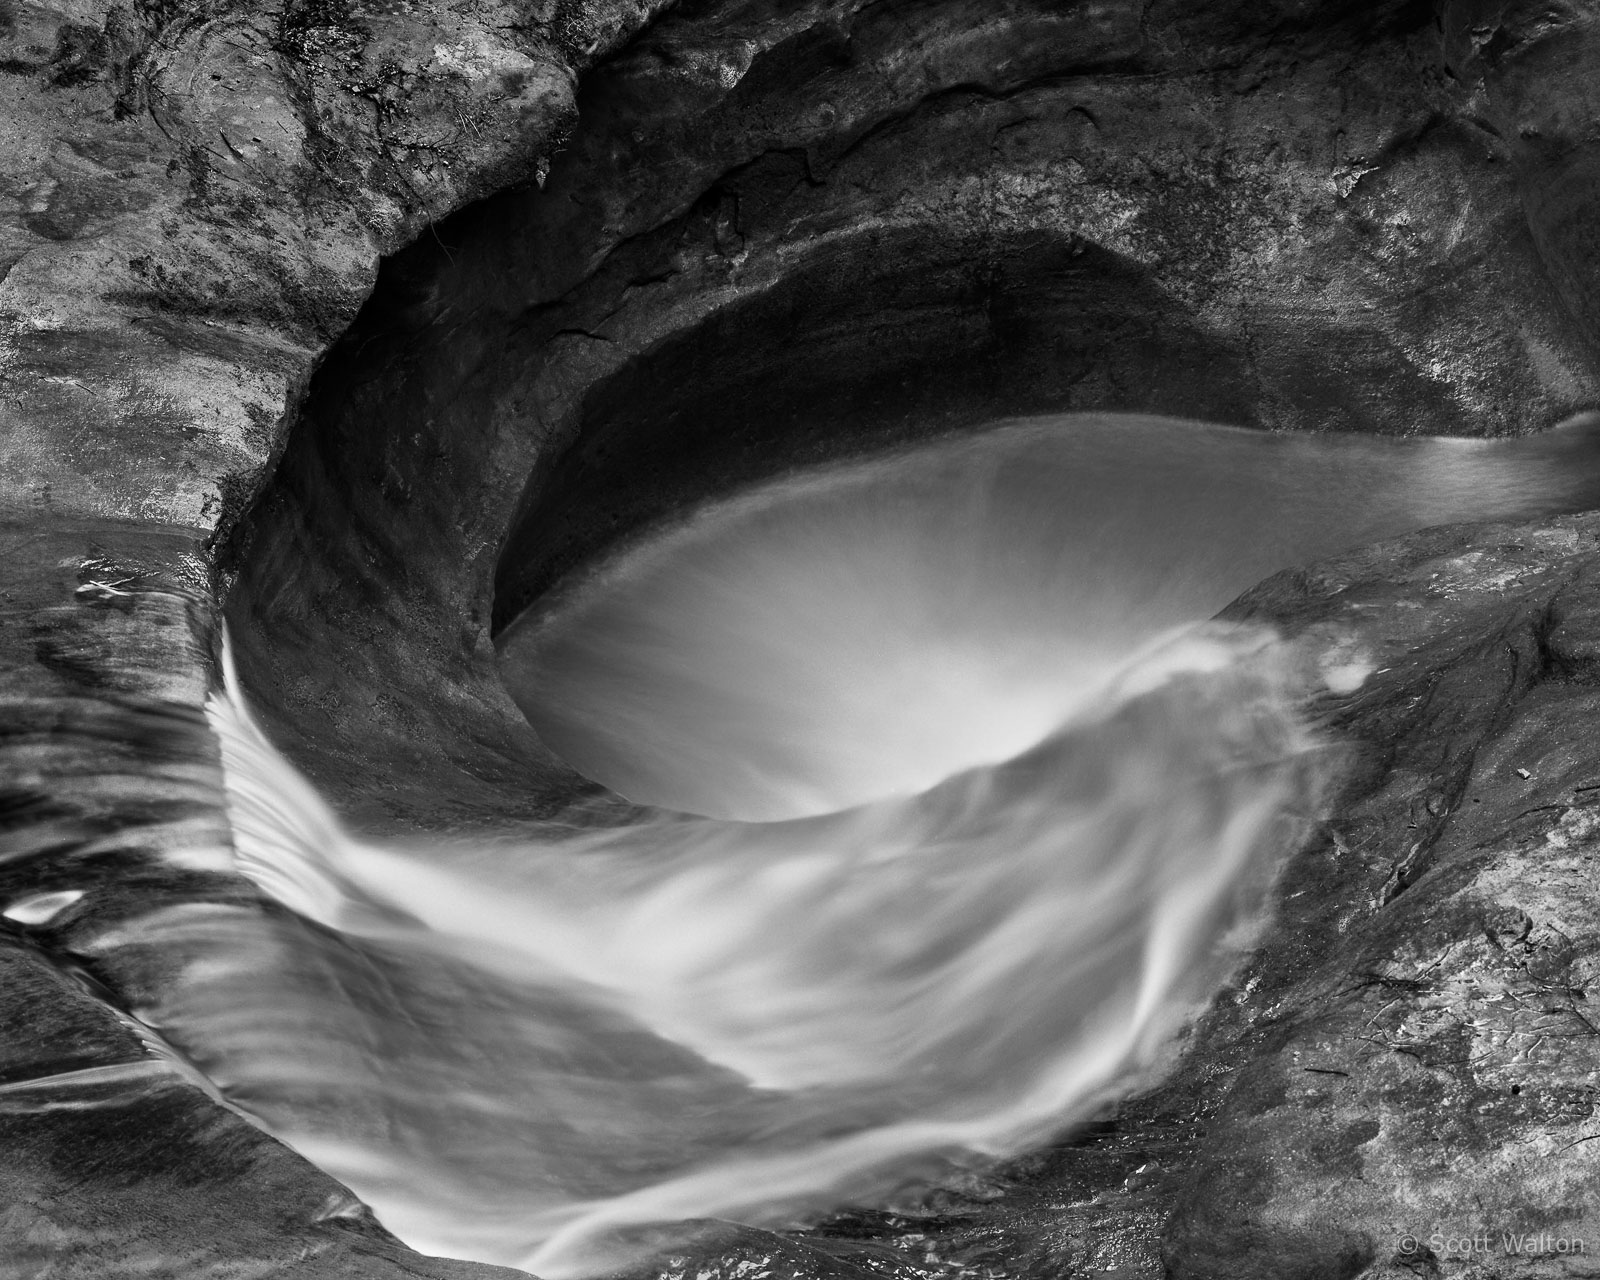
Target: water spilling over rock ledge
775, 238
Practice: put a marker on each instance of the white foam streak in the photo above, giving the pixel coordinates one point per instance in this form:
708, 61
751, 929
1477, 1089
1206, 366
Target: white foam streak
967, 968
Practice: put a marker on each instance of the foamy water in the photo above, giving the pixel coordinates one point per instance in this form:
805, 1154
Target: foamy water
992, 811
511, 1051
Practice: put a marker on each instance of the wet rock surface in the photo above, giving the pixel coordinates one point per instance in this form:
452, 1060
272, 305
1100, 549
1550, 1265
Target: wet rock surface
1434, 1075
777, 234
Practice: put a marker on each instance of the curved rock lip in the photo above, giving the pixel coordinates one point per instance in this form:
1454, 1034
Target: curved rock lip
273, 349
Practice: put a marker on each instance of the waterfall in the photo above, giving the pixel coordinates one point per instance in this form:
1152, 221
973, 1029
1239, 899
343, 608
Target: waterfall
954, 809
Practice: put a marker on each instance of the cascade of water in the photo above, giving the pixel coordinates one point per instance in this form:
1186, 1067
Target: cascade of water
973, 811
512, 1049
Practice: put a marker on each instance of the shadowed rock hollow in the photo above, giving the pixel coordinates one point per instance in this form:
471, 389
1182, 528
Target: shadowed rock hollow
730, 239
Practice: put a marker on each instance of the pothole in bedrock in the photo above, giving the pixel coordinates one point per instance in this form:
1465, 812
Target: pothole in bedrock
959, 809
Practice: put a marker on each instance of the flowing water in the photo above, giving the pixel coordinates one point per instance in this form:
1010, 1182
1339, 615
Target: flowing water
866, 630
962, 809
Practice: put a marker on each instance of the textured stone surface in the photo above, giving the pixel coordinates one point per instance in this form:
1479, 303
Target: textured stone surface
1436, 1068
759, 234
1530, 71
193, 200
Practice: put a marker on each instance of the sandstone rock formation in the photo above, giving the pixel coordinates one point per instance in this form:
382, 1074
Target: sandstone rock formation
365, 323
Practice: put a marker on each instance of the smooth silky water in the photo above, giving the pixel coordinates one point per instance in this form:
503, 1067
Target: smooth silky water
957, 809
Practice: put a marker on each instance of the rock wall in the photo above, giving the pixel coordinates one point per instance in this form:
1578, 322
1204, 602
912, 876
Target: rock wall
271, 345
